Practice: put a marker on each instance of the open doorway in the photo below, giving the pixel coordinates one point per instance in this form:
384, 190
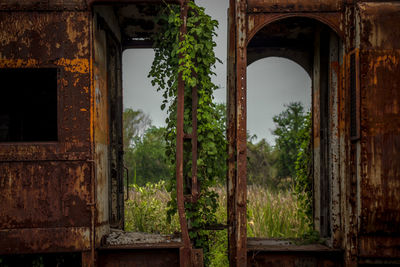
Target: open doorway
317, 49
148, 168
278, 110
130, 148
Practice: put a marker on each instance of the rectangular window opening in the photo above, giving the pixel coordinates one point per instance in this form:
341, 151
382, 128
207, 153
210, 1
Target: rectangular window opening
28, 105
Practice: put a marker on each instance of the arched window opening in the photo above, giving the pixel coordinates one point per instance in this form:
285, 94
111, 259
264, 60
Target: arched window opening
278, 111
317, 50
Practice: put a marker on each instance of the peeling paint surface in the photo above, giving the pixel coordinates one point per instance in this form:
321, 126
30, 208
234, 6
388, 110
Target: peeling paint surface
363, 170
46, 186
294, 5
62, 196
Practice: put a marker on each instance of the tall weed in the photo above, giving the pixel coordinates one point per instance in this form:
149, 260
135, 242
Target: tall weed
275, 214
146, 210
271, 214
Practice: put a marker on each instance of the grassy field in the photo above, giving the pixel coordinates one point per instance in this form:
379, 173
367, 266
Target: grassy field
270, 215
145, 211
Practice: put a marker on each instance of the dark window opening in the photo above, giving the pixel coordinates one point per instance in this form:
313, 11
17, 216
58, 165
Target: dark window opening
28, 105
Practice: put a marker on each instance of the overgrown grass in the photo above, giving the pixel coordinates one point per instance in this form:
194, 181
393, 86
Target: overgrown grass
275, 214
146, 210
270, 215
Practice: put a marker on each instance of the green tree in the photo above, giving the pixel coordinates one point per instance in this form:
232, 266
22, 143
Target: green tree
149, 160
135, 123
144, 147
303, 188
261, 164
289, 125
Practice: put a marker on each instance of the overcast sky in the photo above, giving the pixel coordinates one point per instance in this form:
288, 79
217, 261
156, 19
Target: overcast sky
271, 82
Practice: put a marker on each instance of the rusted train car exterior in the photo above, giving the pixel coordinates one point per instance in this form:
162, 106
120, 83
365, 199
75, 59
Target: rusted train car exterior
351, 51
61, 170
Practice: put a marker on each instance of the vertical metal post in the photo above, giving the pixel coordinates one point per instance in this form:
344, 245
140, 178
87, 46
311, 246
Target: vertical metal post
241, 133
91, 260
231, 134
237, 138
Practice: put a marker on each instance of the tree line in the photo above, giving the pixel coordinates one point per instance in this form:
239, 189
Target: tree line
286, 165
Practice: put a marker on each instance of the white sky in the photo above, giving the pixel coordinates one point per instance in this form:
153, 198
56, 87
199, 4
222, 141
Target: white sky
271, 82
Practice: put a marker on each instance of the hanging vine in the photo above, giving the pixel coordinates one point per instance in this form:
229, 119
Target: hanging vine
196, 63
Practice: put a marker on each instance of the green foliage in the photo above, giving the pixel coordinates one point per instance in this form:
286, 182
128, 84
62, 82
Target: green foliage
145, 211
272, 214
261, 164
194, 58
135, 123
295, 154
289, 125
146, 159
275, 214
144, 148
219, 251
303, 166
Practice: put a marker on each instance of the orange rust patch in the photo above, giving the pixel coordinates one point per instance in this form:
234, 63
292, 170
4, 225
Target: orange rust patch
386, 61
76, 82
18, 63
75, 65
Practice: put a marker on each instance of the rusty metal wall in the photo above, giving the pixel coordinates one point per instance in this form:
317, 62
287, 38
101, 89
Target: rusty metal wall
92, 2
244, 32
64, 186
101, 123
236, 133
140, 258
45, 187
256, 258
276, 6
379, 43
107, 121
231, 134
364, 172
65, 5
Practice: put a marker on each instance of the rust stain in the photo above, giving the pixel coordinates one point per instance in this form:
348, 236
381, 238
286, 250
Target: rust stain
39, 240
19, 63
74, 65
50, 193
294, 5
386, 61
45, 187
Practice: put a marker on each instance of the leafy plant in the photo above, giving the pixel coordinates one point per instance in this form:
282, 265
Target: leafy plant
275, 214
261, 164
135, 123
146, 159
193, 56
303, 166
272, 214
289, 124
145, 211
293, 142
